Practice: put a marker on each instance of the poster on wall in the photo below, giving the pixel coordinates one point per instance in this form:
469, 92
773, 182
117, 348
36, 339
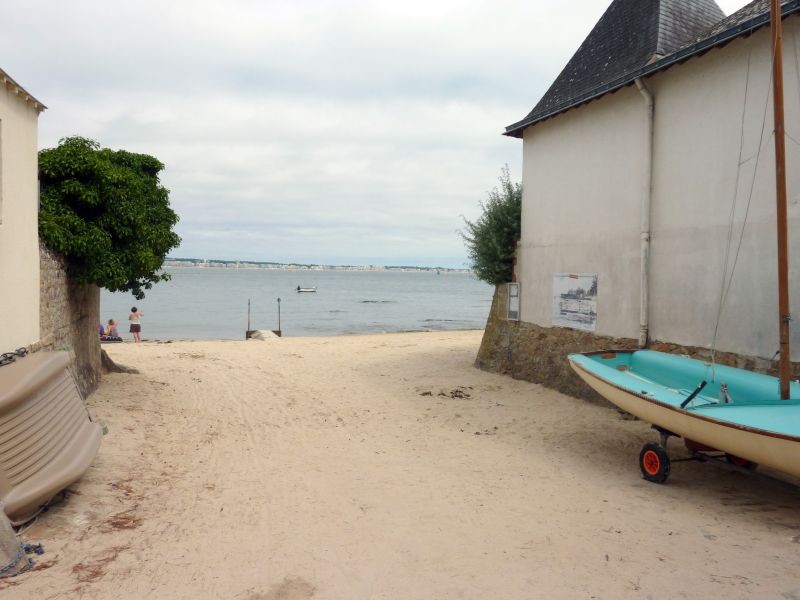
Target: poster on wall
513, 302
575, 300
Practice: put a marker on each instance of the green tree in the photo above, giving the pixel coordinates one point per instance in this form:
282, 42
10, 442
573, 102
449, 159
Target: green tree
491, 238
107, 213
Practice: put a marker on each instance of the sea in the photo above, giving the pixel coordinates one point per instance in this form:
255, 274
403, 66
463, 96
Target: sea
212, 303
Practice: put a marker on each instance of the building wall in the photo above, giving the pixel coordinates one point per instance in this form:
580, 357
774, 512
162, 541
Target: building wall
582, 185
19, 234
535, 353
699, 108
583, 178
70, 315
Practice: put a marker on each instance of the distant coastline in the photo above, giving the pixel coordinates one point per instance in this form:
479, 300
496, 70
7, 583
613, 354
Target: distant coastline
248, 264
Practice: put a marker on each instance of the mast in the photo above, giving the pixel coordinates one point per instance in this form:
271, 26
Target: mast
780, 183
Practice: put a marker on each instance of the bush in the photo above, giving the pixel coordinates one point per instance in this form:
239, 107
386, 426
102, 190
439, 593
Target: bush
491, 239
107, 213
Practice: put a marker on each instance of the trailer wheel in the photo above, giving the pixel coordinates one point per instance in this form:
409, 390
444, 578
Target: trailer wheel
654, 463
741, 462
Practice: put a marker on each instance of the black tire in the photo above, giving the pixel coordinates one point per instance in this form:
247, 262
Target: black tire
654, 463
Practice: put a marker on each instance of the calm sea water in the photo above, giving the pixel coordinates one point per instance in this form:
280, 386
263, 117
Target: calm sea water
211, 303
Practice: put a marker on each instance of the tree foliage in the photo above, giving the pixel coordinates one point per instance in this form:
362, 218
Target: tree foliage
107, 213
491, 238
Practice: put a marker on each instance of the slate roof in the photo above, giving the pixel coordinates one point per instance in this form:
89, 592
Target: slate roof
635, 38
753, 9
681, 21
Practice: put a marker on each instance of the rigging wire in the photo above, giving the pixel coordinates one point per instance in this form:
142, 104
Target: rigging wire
792, 139
726, 286
796, 60
797, 73
732, 212
760, 149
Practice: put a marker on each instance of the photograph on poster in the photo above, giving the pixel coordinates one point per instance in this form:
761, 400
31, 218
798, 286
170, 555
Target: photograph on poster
575, 300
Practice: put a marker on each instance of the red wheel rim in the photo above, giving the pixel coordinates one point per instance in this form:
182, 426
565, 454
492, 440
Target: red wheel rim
651, 462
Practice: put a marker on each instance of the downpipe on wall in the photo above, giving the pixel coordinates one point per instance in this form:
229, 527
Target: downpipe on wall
647, 194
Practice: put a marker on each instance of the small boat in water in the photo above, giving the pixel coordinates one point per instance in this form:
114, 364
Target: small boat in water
714, 408
306, 290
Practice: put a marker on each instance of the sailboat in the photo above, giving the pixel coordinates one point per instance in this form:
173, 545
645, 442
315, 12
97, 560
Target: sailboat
749, 417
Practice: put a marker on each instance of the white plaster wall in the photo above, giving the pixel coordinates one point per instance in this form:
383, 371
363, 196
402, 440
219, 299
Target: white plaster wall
583, 179
582, 184
19, 236
699, 108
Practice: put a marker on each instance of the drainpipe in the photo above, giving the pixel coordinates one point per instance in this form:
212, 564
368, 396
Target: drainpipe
647, 194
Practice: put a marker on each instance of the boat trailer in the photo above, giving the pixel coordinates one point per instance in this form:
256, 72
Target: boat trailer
656, 464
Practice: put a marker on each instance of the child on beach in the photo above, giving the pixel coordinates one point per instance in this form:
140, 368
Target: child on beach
136, 324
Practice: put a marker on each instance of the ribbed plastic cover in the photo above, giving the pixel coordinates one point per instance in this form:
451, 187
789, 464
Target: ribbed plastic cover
47, 439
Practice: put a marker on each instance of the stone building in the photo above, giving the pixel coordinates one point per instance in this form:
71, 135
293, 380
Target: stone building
648, 171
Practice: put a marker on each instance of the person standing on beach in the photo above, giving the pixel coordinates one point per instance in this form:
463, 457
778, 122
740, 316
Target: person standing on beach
136, 324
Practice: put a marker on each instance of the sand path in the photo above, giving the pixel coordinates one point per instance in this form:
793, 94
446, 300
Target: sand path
387, 466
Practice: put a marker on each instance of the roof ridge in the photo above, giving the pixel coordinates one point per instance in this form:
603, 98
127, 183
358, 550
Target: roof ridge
630, 35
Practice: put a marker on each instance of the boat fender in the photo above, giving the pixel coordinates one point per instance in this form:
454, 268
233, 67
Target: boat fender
693, 395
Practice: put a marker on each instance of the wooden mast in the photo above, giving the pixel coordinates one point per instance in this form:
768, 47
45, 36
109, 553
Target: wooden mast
780, 183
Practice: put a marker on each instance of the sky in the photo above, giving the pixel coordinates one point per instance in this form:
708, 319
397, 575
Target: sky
317, 131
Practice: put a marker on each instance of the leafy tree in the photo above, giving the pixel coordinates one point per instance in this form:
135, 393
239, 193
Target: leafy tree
107, 213
490, 239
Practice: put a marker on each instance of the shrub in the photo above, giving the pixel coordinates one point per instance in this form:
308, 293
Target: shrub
490, 240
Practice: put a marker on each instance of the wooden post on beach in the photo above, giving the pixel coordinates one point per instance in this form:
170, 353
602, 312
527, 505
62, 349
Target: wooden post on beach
278, 330
248, 332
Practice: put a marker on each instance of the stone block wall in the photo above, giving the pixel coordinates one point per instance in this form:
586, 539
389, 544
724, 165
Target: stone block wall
539, 354
69, 317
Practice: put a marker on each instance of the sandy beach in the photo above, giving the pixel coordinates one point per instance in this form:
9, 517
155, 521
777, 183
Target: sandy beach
388, 467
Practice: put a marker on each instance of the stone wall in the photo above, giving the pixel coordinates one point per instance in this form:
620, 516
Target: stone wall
533, 353
69, 317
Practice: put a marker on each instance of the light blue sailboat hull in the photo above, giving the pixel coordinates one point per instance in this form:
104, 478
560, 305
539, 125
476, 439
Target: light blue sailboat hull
750, 421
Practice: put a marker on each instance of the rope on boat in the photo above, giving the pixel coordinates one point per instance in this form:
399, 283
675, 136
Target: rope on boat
726, 285
9, 357
13, 569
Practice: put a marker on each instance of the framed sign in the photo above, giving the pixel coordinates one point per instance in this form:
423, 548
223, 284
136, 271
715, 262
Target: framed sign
512, 314
575, 300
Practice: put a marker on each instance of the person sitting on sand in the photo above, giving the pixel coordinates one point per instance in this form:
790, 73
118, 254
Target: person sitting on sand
136, 324
110, 333
111, 329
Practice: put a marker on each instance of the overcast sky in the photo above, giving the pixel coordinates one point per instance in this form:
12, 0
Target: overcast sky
325, 131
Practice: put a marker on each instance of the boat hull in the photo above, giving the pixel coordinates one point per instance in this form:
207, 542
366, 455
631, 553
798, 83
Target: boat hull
780, 452
47, 439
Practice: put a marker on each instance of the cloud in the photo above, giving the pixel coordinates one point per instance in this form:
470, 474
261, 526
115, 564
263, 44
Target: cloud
313, 130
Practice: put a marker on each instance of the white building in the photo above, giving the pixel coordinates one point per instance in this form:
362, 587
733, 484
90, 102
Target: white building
602, 173
19, 230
